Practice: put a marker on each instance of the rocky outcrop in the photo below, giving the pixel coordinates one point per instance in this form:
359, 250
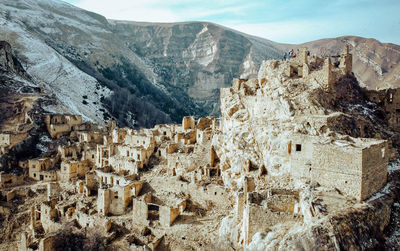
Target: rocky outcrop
8, 62
268, 127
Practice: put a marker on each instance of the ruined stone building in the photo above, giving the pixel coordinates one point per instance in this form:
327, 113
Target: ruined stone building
299, 137
10, 139
60, 124
389, 99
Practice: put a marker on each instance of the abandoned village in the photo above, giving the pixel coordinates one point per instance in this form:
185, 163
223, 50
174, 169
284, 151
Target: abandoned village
297, 144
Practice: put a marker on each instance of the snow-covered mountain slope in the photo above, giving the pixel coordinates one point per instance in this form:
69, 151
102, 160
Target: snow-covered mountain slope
48, 68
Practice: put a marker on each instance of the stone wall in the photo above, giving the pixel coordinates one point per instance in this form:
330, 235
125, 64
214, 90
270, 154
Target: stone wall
46, 244
103, 201
139, 140
11, 139
10, 180
389, 99
375, 169
73, 169
140, 212
357, 171
168, 215
266, 210
61, 124
188, 122
37, 165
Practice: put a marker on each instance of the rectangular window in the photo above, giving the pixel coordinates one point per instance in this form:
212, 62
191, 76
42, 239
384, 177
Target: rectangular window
383, 152
298, 147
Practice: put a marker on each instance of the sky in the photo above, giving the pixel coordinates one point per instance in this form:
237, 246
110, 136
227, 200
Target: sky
285, 21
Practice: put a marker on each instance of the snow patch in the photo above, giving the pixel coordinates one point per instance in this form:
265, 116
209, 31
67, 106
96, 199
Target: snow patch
45, 138
42, 148
382, 192
205, 28
394, 166
365, 111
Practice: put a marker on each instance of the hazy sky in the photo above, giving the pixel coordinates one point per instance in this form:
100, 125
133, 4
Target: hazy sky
286, 21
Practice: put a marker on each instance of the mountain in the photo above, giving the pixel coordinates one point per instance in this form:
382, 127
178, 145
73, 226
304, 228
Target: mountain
142, 74
101, 69
196, 58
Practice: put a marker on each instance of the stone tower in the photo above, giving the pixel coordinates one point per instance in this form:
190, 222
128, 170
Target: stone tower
346, 61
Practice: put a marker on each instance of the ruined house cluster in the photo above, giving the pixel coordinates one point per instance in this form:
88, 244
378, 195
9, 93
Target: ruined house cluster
98, 173
101, 168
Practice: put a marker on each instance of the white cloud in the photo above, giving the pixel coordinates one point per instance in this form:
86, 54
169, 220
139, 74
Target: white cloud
283, 32
137, 10
301, 31
222, 11
163, 11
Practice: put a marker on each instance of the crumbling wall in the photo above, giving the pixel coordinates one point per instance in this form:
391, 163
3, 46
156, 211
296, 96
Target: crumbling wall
374, 169
11, 139
188, 122
140, 212
46, 244
10, 180
168, 215
335, 166
263, 211
103, 201
117, 203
